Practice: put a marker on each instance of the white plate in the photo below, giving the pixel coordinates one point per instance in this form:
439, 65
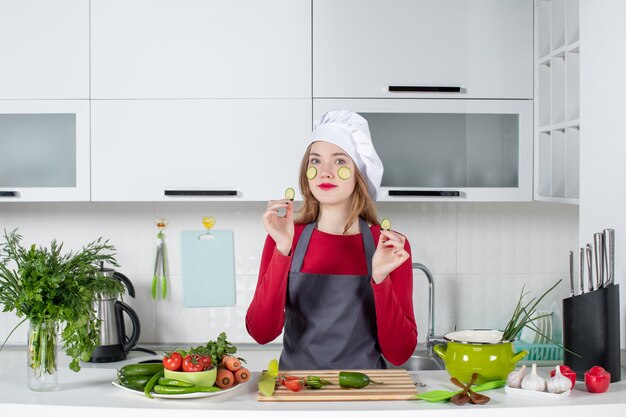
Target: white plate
537, 395
180, 396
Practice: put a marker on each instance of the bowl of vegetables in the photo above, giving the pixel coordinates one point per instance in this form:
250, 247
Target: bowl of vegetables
194, 368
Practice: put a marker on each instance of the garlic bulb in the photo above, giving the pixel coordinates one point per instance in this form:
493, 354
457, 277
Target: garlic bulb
534, 382
559, 383
514, 380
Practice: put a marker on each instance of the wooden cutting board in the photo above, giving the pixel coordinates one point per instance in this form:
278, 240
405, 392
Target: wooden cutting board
397, 385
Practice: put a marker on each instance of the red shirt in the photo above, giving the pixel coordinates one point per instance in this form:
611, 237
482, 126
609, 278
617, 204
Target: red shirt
327, 254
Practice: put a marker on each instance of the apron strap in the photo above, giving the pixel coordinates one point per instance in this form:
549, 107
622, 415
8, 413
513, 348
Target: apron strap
368, 244
305, 238
301, 247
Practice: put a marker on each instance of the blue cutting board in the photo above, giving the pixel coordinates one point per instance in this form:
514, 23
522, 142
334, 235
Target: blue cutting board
208, 268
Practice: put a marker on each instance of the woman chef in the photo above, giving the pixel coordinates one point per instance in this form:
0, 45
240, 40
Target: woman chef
339, 285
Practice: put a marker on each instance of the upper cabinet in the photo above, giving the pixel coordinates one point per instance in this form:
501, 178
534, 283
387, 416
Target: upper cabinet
197, 150
44, 49
44, 150
423, 49
200, 49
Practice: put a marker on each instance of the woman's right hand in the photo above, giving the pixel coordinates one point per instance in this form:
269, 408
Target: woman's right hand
280, 228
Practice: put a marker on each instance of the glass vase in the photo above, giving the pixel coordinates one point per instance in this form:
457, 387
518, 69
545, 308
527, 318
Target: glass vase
42, 356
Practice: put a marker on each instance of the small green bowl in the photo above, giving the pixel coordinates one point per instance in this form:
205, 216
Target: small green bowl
200, 379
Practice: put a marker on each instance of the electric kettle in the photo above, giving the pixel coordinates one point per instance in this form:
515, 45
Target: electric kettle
114, 343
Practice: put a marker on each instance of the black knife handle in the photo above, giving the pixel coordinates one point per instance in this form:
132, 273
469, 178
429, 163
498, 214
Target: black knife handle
8, 194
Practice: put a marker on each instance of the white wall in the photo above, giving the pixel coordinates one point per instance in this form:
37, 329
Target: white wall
602, 138
480, 253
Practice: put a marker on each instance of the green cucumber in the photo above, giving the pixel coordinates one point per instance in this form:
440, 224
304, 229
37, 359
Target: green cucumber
140, 369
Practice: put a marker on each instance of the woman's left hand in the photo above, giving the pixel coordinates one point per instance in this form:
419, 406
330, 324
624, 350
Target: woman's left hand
389, 255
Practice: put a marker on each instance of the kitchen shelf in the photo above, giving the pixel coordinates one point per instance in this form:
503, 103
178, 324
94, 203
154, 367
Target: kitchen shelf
557, 94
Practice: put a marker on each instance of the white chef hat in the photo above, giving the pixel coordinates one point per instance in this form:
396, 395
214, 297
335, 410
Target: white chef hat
350, 132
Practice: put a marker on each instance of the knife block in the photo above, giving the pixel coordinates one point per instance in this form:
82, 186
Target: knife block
591, 329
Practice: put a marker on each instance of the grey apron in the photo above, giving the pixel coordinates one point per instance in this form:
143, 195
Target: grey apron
330, 320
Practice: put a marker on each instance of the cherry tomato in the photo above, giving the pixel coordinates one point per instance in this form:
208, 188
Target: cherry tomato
205, 361
293, 384
172, 361
191, 363
568, 372
597, 379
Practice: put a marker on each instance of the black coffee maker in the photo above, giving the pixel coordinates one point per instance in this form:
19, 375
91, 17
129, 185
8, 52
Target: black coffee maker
114, 343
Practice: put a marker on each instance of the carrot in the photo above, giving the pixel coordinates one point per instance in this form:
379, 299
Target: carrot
231, 363
225, 378
242, 375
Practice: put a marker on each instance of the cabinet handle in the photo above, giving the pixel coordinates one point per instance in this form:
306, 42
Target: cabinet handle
424, 88
196, 193
9, 194
423, 193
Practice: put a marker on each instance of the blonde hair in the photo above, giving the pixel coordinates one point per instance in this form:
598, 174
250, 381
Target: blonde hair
362, 204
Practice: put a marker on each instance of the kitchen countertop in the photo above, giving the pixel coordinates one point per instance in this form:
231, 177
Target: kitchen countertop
90, 392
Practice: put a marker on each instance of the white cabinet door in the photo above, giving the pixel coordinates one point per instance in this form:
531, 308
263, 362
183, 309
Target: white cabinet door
44, 49
143, 148
200, 49
363, 47
449, 150
44, 150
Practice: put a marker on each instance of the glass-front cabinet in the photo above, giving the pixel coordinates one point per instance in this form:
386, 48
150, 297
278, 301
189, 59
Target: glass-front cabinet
44, 150
449, 150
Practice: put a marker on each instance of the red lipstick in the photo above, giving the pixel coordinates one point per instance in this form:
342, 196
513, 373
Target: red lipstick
326, 186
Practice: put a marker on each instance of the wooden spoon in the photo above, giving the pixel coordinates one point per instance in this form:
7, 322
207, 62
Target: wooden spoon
474, 397
463, 397
477, 398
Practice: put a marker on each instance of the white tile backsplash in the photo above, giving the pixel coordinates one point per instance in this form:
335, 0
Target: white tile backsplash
480, 255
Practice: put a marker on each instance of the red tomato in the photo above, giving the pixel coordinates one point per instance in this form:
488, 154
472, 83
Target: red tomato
172, 361
597, 380
191, 363
205, 361
568, 372
293, 384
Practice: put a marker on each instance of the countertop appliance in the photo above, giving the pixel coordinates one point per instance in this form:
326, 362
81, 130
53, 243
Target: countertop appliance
114, 343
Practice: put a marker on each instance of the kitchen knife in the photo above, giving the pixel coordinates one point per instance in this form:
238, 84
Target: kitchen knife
598, 247
609, 252
571, 273
581, 272
589, 269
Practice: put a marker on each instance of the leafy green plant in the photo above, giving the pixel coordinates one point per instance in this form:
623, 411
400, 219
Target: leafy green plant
45, 286
523, 314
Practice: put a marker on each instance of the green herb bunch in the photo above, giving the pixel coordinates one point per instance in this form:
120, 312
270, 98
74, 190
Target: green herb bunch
523, 315
45, 286
217, 349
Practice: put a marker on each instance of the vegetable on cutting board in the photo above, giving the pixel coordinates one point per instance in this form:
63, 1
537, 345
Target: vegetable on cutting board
355, 380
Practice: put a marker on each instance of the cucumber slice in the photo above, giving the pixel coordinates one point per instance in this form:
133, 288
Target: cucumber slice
385, 224
344, 173
290, 193
311, 173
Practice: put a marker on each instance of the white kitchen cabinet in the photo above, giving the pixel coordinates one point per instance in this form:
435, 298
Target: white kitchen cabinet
200, 49
44, 49
364, 48
222, 149
448, 150
557, 115
44, 150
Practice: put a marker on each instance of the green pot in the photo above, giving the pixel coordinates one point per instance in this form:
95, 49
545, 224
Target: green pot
481, 352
